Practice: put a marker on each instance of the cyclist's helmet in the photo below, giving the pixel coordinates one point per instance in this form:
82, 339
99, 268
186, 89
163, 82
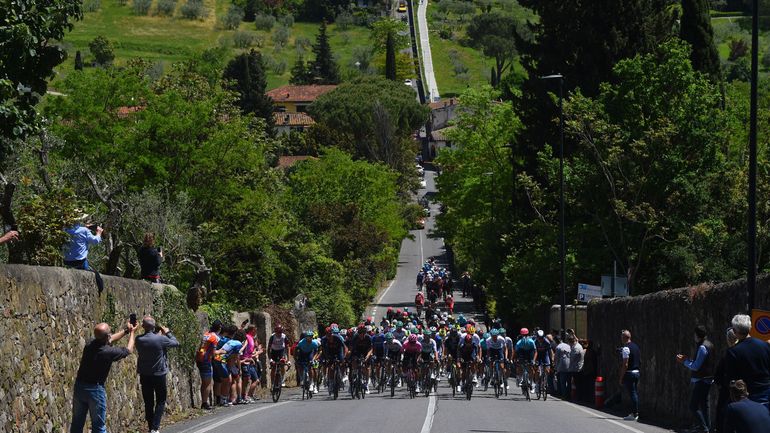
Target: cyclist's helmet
486, 335
335, 331
398, 311
399, 324
494, 333
468, 338
343, 332
413, 338
328, 329
390, 309
502, 331
278, 329
389, 336
427, 332
308, 334
361, 329
540, 333
524, 331
433, 329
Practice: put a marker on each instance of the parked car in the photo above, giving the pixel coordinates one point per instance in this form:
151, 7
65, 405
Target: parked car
408, 82
402, 7
423, 184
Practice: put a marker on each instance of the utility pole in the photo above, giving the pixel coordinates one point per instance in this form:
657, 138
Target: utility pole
751, 280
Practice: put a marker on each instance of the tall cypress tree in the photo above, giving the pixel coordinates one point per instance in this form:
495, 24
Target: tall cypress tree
696, 29
390, 58
78, 61
246, 75
299, 72
323, 68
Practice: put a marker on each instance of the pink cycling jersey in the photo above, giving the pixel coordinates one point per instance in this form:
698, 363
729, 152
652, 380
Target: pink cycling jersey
410, 347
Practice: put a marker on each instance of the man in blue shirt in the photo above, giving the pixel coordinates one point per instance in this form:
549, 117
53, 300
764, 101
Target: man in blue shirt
702, 368
745, 415
76, 250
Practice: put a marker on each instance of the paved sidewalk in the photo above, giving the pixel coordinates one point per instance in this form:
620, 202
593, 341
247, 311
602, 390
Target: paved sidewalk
427, 58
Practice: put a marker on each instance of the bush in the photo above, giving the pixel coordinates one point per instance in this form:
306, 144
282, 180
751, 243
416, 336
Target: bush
264, 22
281, 37
278, 66
102, 50
91, 5
122, 2
193, 10
287, 20
232, 20
344, 20
142, 7
244, 39
738, 48
166, 8
302, 44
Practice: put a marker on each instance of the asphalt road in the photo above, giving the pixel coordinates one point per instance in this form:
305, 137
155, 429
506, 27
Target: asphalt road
427, 57
438, 414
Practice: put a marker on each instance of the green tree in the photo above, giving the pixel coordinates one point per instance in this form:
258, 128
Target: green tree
102, 50
372, 118
389, 27
390, 59
494, 33
695, 28
323, 69
299, 72
28, 56
246, 75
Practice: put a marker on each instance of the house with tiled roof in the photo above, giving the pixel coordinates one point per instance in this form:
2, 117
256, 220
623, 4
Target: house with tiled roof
286, 122
295, 99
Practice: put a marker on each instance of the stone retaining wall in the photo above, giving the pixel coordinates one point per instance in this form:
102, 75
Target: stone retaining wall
46, 316
662, 325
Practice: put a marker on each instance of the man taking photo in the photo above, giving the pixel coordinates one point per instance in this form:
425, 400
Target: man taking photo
89, 395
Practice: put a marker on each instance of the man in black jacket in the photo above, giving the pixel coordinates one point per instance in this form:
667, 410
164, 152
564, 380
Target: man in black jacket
702, 368
749, 360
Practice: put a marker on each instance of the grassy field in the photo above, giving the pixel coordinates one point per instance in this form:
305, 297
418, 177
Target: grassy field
168, 39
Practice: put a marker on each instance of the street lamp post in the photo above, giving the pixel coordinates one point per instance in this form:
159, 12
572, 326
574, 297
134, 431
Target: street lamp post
562, 244
751, 280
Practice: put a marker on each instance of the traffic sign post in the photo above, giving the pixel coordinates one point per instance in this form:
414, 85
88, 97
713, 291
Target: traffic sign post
760, 324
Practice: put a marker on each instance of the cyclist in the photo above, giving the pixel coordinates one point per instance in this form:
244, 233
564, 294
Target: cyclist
497, 351
419, 302
429, 352
392, 350
307, 355
400, 333
543, 356
468, 353
378, 346
411, 350
278, 346
361, 352
525, 352
420, 278
333, 349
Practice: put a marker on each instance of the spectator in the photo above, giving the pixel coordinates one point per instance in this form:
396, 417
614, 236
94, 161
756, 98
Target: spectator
562, 367
723, 383
630, 369
249, 373
81, 237
745, 415
89, 396
152, 366
749, 361
203, 358
150, 259
9, 236
575, 361
589, 372
702, 372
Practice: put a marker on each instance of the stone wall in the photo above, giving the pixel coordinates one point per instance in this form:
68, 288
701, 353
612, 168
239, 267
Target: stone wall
662, 325
46, 316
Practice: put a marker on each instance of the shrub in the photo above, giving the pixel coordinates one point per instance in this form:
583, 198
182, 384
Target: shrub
344, 20
243, 39
362, 55
279, 67
122, 2
166, 8
281, 37
738, 48
287, 20
142, 7
233, 18
193, 10
91, 5
264, 22
102, 50
302, 44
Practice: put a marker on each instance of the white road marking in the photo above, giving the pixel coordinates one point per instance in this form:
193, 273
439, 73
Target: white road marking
426, 426
386, 291
235, 417
602, 415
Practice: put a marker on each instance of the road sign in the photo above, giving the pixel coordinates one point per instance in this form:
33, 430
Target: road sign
587, 292
621, 286
760, 327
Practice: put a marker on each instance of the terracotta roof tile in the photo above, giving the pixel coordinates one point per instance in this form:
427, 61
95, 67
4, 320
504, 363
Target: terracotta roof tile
443, 103
292, 119
299, 93
288, 161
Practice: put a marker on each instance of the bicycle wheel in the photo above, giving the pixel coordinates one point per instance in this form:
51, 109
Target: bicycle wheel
544, 385
334, 382
525, 384
393, 381
497, 380
276, 392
